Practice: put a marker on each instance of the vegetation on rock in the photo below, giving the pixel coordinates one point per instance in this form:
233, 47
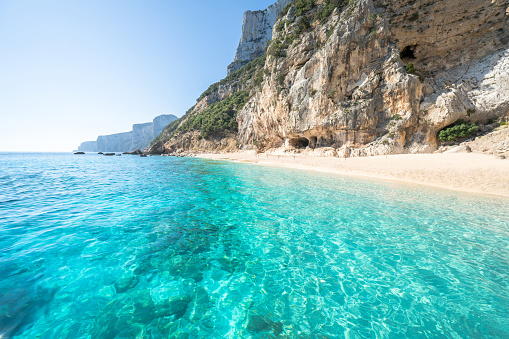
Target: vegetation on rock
240, 77
458, 130
329, 6
305, 12
219, 119
410, 68
302, 6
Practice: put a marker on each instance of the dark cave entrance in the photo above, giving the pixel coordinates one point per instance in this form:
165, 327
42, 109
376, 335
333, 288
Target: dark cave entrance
299, 142
408, 52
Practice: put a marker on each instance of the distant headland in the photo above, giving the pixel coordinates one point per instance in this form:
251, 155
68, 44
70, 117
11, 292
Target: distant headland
138, 138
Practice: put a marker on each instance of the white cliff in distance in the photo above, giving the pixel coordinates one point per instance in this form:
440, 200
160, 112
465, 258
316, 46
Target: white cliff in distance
139, 138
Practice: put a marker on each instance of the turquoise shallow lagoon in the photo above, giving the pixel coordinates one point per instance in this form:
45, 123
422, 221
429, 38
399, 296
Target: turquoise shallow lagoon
160, 247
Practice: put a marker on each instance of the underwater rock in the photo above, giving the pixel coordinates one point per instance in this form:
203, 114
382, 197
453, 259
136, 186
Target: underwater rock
180, 335
193, 269
172, 329
261, 323
175, 306
201, 296
20, 307
200, 304
178, 304
125, 284
121, 318
201, 249
229, 264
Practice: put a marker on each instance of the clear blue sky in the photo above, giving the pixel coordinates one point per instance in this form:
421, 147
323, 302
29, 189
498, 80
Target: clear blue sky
71, 70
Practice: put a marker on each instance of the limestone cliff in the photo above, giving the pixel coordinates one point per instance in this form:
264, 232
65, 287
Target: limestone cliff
365, 77
352, 92
256, 31
139, 138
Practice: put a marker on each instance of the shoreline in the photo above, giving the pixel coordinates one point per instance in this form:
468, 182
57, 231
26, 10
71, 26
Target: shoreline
464, 172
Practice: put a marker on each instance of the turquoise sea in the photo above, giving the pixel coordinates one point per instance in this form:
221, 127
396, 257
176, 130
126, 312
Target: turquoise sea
162, 247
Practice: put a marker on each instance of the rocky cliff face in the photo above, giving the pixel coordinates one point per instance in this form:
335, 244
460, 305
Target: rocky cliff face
342, 87
368, 77
256, 31
139, 138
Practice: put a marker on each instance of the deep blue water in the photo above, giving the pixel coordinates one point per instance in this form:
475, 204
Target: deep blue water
160, 247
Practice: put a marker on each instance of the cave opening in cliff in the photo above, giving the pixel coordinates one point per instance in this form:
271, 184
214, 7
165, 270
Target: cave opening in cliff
299, 142
408, 52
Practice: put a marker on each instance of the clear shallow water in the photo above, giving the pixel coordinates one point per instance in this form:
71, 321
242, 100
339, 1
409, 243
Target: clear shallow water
129, 247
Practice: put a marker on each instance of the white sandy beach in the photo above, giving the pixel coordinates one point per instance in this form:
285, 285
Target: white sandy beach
468, 172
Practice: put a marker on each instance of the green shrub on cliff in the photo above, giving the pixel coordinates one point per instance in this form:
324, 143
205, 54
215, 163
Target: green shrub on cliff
458, 130
410, 68
168, 131
239, 77
285, 10
219, 119
328, 7
280, 25
277, 49
303, 25
302, 6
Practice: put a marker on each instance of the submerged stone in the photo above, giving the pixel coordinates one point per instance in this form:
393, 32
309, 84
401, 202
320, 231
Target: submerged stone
124, 317
175, 306
201, 249
126, 283
262, 323
193, 270
178, 304
258, 323
172, 328
200, 304
229, 264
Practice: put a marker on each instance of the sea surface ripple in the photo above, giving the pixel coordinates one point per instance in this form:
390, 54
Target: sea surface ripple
160, 247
